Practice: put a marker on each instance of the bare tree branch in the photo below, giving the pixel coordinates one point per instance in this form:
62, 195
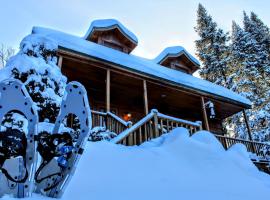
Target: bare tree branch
5, 53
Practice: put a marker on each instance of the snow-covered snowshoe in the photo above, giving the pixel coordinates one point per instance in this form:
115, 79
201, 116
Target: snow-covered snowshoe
60, 152
17, 148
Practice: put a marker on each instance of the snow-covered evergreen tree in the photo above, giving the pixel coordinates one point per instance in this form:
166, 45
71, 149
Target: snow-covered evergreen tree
260, 33
247, 60
243, 67
211, 48
35, 65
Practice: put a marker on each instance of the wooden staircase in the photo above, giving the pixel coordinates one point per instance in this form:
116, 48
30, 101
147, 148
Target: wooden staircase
109, 120
156, 124
152, 126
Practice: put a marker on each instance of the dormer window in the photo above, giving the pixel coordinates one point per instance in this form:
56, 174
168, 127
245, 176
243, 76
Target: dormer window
111, 33
179, 59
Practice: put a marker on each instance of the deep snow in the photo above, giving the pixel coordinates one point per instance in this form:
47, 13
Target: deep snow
174, 166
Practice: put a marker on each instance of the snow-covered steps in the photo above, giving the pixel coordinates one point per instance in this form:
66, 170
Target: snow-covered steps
109, 121
152, 126
156, 124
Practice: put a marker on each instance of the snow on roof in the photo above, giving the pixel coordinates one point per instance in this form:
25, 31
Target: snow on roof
174, 52
138, 64
104, 24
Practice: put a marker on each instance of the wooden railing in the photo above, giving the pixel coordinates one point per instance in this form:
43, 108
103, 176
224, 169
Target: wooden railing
151, 126
110, 121
252, 146
156, 124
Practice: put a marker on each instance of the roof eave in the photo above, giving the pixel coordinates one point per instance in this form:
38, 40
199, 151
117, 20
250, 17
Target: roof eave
115, 26
240, 104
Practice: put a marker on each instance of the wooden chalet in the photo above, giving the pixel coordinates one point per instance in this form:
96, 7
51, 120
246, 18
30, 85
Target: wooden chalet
124, 85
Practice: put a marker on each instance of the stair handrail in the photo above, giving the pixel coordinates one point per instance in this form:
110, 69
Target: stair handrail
133, 128
197, 123
155, 116
110, 121
127, 124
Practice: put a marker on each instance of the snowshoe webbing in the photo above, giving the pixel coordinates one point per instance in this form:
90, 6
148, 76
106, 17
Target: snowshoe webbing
13, 144
51, 146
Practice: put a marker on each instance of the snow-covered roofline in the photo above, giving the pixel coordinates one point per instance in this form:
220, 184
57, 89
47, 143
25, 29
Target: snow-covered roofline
108, 24
139, 65
175, 51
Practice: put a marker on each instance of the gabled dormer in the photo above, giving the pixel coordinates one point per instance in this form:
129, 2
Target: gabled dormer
179, 59
111, 33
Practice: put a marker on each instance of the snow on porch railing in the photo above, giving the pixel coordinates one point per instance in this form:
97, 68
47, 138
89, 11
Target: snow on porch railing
258, 148
151, 126
110, 121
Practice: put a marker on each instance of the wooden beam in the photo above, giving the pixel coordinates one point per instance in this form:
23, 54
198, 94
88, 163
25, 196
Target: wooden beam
247, 124
146, 110
116, 68
249, 131
108, 90
205, 119
60, 61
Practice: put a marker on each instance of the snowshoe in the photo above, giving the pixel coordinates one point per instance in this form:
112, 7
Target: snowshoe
17, 148
60, 152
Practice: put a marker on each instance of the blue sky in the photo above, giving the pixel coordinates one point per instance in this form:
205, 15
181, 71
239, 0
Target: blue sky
157, 23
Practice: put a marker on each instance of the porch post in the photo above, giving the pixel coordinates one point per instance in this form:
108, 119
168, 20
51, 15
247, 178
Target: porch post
247, 124
145, 97
249, 131
205, 119
60, 61
108, 88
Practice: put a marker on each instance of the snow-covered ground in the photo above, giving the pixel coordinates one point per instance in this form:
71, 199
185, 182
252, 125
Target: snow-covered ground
174, 166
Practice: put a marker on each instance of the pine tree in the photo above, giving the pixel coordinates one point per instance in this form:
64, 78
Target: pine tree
247, 59
211, 48
261, 118
260, 32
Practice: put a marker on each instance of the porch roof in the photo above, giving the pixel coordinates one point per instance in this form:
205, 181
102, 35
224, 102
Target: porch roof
139, 64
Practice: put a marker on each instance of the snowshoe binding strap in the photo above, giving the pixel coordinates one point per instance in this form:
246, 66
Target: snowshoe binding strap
13, 144
52, 146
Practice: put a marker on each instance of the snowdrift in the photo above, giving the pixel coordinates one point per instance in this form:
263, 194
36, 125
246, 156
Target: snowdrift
174, 166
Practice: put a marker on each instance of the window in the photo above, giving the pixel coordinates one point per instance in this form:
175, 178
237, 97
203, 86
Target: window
113, 46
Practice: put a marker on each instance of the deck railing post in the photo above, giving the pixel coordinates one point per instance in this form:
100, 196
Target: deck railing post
156, 133
129, 124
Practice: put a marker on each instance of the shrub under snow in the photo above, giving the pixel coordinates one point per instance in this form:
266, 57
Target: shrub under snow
35, 65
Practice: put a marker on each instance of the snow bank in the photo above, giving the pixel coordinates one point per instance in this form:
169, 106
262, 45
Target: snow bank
174, 166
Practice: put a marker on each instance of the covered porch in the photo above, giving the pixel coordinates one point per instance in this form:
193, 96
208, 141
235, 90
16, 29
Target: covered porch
131, 96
